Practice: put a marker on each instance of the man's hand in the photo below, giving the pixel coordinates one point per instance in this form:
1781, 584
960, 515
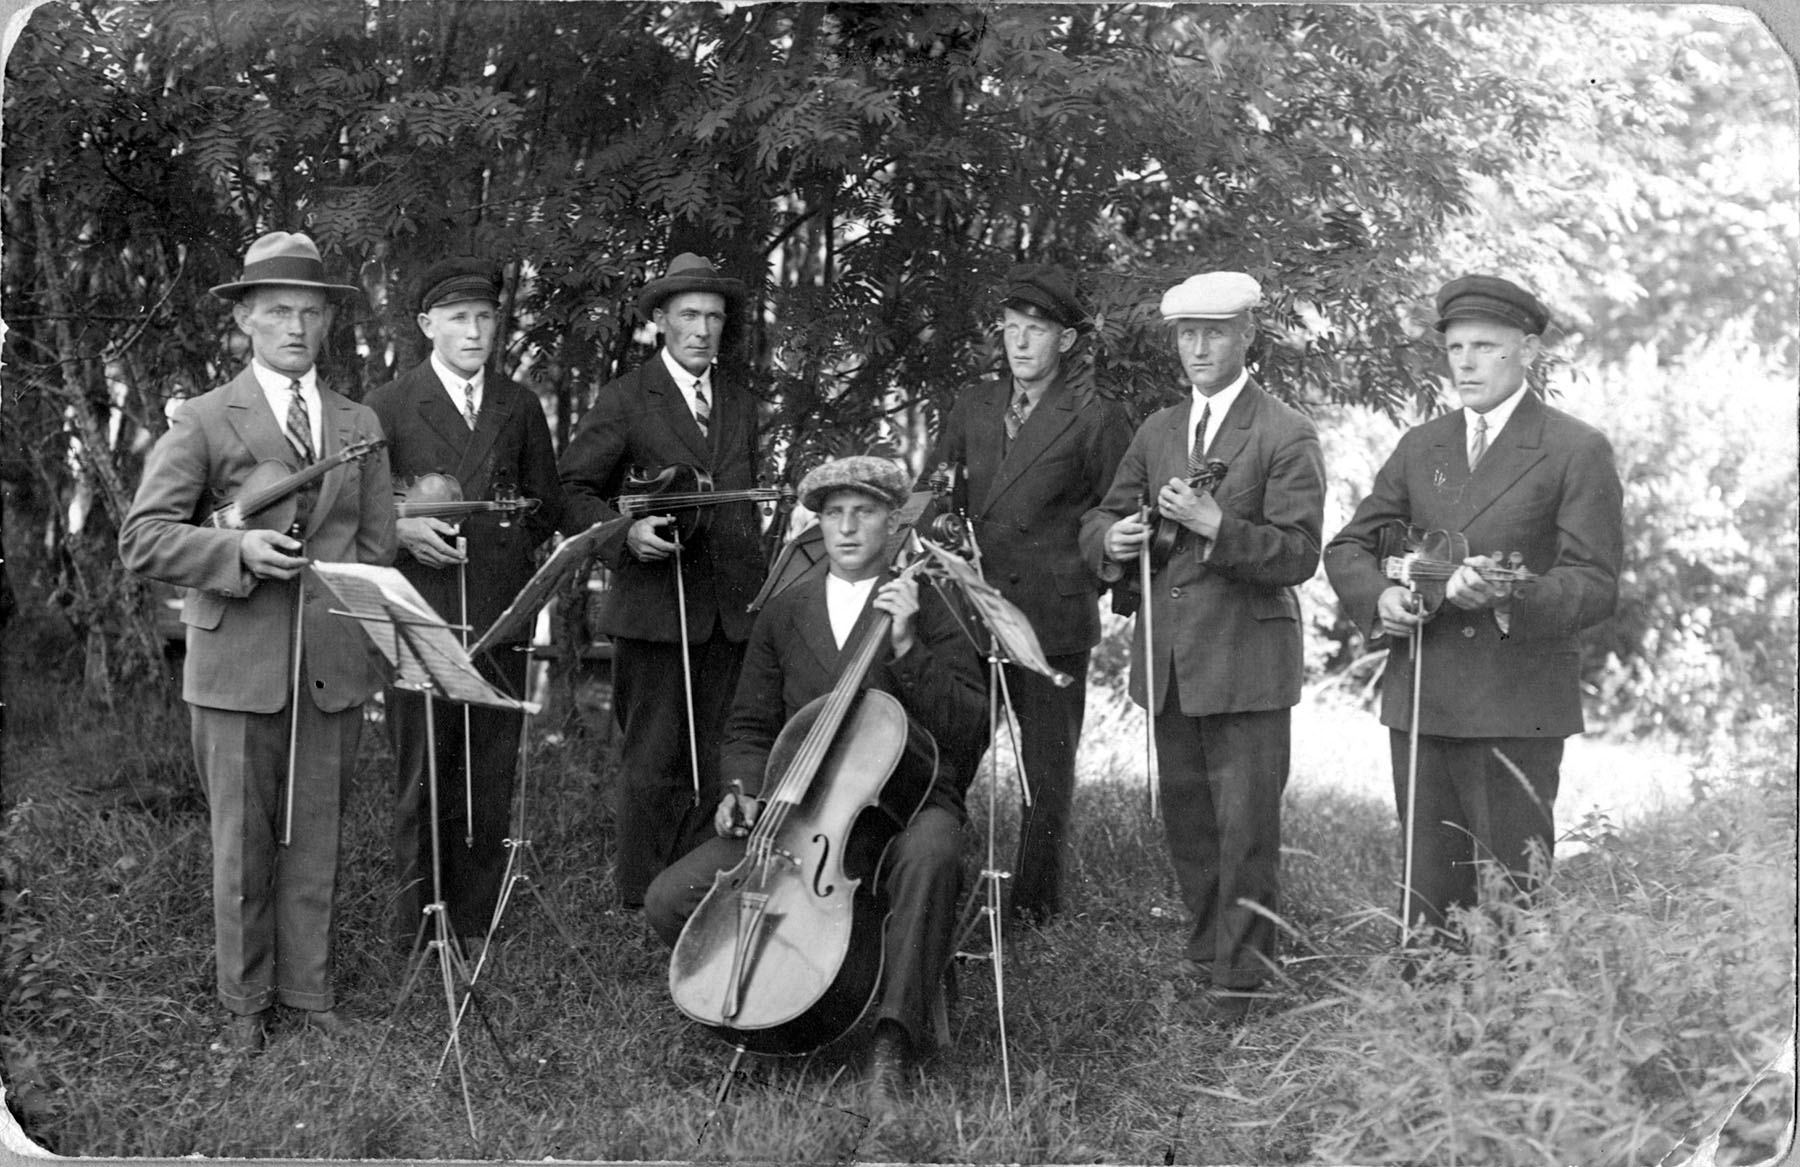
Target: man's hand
645, 541
1396, 607
271, 555
427, 540
737, 813
1196, 510
1467, 588
1125, 538
899, 598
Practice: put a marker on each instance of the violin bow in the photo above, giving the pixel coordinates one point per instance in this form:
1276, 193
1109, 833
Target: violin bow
1153, 800
687, 669
1412, 772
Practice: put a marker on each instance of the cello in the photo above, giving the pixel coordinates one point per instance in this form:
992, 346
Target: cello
784, 953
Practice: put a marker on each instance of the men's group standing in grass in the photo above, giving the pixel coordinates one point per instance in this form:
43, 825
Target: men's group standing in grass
1492, 536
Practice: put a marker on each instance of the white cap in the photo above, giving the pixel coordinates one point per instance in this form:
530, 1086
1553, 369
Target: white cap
1215, 295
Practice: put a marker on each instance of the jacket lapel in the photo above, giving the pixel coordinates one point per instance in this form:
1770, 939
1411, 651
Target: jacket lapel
338, 431
982, 440
675, 412
256, 424
1512, 452
813, 615
438, 412
473, 471
1055, 413
1234, 431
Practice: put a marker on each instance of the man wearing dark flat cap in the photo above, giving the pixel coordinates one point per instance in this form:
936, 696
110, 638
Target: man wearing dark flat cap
1037, 448
802, 640
451, 416
1225, 654
1500, 660
676, 409
274, 871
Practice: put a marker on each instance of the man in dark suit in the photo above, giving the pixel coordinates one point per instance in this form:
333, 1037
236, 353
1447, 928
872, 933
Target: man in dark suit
675, 409
449, 417
1501, 661
1038, 449
272, 897
801, 641
1226, 658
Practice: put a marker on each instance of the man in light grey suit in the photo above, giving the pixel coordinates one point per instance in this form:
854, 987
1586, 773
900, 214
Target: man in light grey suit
272, 899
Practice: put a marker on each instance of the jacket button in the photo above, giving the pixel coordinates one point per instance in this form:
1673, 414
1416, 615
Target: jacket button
1468, 632
1013, 578
1174, 593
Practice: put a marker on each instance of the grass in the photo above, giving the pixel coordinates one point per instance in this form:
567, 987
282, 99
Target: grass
1619, 1024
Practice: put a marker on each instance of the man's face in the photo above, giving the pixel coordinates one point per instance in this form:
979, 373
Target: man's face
1488, 360
856, 527
691, 325
1034, 346
1212, 351
462, 334
286, 326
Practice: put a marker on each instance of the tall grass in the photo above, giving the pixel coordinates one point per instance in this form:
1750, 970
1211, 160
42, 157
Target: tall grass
1618, 1023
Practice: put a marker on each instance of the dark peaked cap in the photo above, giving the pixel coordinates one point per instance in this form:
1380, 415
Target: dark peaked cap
1046, 290
1491, 298
452, 281
689, 273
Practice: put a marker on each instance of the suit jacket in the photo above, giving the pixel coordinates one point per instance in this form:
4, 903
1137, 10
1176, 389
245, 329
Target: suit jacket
792, 658
641, 421
1547, 487
239, 627
1026, 501
509, 446
1226, 621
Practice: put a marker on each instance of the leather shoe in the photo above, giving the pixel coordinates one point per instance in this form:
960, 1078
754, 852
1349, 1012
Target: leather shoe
888, 1054
243, 1034
326, 1021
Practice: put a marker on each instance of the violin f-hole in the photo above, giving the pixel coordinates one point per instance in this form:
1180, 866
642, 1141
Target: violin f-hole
820, 889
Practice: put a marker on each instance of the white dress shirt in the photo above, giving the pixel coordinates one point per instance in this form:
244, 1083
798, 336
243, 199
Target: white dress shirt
1219, 404
845, 600
1497, 418
453, 383
278, 393
685, 380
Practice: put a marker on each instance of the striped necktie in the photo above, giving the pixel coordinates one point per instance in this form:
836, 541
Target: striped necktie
1197, 455
469, 403
299, 424
1480, 445
1015, 416
702, 410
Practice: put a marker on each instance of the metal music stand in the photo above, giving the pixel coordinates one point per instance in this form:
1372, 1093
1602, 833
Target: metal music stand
428, 657
1010, 641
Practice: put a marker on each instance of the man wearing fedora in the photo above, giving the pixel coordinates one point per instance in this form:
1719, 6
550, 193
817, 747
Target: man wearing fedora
450, 415
677, 408
1036, 450
1226, 654
1499, 660
274, 870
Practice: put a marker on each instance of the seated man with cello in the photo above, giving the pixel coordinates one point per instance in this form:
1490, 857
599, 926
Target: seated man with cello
1477, 746
859, 632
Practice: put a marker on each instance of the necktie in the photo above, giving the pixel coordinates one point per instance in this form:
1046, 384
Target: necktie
469, 403
1015, 415
299, 424
1480, 445
1197, 455
702, 411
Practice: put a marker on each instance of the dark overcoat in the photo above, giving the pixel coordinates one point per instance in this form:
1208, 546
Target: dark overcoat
1547, 488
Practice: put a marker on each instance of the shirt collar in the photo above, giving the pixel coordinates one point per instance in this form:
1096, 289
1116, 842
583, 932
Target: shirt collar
682, 377
273, 382
1220, 403
1497, 417
453, 380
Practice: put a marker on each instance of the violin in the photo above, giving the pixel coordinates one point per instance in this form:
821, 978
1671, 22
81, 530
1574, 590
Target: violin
440, 496
1425, 561
266, 499
1166, 532
687, 492
784, 953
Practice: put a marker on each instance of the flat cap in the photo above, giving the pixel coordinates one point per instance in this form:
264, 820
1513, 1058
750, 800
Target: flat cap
1046, 291
689, 273
1213, 295
879, 478
1491, 298
452, 281
282, 258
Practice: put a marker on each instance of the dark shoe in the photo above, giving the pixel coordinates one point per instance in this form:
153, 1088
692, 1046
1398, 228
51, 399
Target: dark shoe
888, 1056
245, 1033
327, 1022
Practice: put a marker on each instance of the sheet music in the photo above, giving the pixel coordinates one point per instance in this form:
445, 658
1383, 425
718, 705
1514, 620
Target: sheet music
568, 557
426, 653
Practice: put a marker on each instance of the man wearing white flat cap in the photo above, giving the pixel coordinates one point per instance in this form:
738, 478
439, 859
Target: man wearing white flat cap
272, 898
1226, 657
